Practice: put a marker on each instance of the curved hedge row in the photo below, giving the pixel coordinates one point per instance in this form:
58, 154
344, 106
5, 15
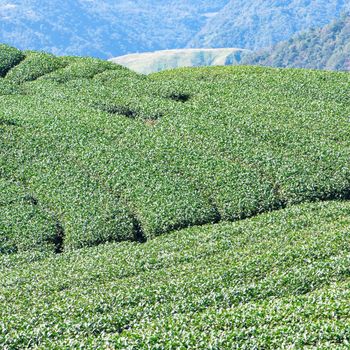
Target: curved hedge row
117, 156
280, 280
79, 68
35, 65
24, 224
9, 57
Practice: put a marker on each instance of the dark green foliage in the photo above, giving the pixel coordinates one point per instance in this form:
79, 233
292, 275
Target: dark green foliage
9, 88
179, 96
24, 224
9, 57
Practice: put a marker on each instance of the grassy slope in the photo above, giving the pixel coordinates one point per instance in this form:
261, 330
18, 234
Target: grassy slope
93, 153
151, 62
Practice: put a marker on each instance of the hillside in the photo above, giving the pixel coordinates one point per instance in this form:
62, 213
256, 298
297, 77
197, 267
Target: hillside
256, 24
319, 48
193, 208
108, 28
104, 28
151, 62
277, 281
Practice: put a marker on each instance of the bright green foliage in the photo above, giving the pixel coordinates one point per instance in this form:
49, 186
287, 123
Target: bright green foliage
279, 280
34, 66
95, 153
80, 68
117, 156
9, 57
10, 88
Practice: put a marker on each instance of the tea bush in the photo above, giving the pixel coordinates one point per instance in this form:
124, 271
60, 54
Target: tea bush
80, 68
92, 154
24, 224
35, 65
279, 280
117, 155
9, 57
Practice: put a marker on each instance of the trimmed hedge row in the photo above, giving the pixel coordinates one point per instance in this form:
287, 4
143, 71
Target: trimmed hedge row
97, 141
279, 280
35, 65
9, 57
49, 147
24, 224
79, 68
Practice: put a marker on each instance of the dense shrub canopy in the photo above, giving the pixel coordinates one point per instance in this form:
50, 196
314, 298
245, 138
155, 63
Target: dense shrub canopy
113, 155
277, 281
9, 57
92, 154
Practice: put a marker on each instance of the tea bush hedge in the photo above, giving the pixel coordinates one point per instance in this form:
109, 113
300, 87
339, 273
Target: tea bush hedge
279, 280
210, 207
24, 224
116, 155
9, 57
34, 66
80, 68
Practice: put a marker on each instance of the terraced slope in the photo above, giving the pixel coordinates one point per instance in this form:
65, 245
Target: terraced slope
255, 159
104, 154
277, 281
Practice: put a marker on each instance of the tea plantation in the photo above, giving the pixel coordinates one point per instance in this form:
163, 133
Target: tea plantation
203, 208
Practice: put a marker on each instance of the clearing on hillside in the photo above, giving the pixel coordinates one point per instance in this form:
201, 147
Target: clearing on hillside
151, 62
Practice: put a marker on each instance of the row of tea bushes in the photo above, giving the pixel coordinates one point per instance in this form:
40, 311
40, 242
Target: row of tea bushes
278, 280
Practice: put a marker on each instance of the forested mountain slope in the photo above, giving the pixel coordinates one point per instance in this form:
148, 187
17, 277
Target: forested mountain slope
255, 24
110, 28
319, 48
103, 28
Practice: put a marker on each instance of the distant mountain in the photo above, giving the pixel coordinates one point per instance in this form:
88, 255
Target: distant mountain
320, 48
110, 28
255, 24
102, 28
150, 62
